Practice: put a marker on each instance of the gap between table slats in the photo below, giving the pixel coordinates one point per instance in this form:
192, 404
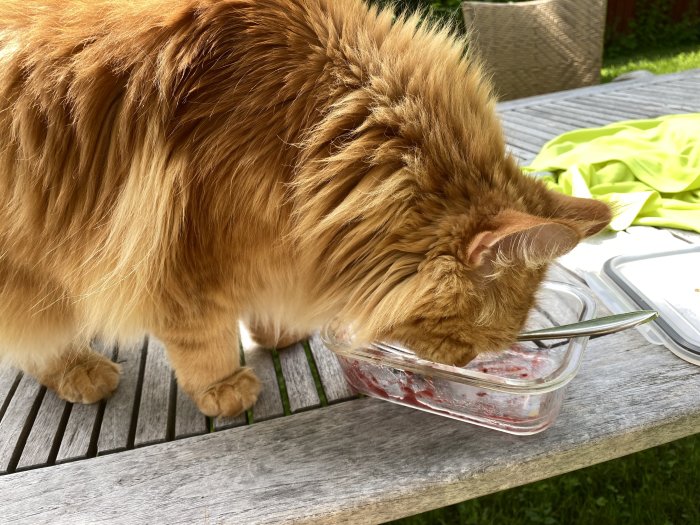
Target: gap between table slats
17, 420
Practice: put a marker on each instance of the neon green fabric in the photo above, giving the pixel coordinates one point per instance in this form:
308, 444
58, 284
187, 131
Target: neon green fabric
649, 170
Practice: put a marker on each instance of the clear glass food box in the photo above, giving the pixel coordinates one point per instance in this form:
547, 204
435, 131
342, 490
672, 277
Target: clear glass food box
518, 390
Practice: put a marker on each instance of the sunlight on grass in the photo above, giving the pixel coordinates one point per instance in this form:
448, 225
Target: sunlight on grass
659, 63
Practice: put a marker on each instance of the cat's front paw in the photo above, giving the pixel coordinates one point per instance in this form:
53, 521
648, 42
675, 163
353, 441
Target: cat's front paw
88, 379
230, 396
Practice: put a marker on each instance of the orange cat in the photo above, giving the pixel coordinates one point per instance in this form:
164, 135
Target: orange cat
173, 166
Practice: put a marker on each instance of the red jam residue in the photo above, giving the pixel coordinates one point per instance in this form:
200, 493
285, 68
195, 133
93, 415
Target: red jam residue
459, 401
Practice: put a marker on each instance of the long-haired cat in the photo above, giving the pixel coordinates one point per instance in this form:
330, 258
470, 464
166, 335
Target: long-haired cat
173, 166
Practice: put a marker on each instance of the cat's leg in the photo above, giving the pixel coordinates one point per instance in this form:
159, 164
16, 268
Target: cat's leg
38, 336
267, 337
207, 367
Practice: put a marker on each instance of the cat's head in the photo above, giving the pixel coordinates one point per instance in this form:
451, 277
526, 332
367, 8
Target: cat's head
448, 273
442, 250
467, 282
477, 280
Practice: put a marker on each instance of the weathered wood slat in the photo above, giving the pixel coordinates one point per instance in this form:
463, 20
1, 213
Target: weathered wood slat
655, 106
577, 105
152, 424
662, 91
518, 138
684, 78
522, 138
545, 125
651, 104
269, 402
334, 384
301, 388
680, 88
651, 101
550, 127
77, 436
15, 421
43, 435
689, 77
8, 377
631, 111
117, 419
613, 110
546, 115
689, 84
512, 136
189, 421
667, 87
586, 118
515, 141
524, 129
342, 463
82, 423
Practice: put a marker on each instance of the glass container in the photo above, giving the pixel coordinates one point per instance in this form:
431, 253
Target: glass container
517, 390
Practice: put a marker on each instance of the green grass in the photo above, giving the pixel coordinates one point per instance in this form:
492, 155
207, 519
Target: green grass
659, 62
654, 487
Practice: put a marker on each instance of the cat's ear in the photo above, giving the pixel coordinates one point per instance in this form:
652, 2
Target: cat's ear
587, 216
518, 235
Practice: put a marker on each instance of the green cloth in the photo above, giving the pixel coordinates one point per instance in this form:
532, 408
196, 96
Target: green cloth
649, 170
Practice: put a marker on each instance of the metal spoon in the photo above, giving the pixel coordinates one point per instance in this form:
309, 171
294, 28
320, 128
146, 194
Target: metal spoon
599, 326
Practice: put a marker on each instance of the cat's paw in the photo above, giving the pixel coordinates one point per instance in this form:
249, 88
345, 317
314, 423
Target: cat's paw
230, 396
89, 379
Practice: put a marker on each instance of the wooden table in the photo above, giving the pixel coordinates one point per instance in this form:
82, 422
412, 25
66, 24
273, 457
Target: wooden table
308, 454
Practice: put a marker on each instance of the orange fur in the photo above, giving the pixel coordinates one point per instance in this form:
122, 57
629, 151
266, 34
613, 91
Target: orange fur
171, 166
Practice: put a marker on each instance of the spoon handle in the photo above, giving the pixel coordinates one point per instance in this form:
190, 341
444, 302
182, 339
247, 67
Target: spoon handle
599, 326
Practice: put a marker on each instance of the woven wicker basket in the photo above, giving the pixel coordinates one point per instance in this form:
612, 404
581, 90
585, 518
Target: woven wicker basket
538, 47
